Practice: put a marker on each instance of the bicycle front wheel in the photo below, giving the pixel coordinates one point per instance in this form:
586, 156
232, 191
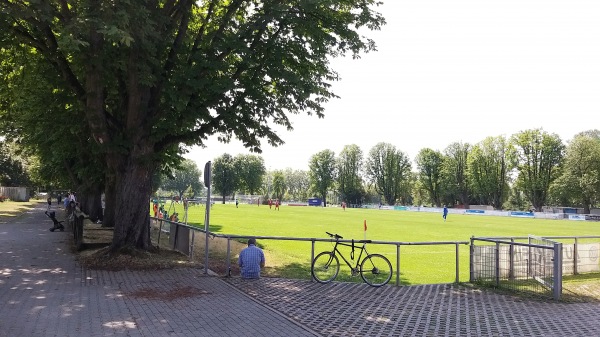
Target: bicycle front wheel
376, 270
325, 267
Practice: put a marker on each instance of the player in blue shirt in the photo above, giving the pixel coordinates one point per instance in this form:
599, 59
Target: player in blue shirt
445, 212
251, 260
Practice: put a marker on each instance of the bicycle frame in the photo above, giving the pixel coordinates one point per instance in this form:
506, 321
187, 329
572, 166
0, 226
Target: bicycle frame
363, 249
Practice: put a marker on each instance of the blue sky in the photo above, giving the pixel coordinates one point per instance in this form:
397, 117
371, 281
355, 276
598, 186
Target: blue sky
448, 71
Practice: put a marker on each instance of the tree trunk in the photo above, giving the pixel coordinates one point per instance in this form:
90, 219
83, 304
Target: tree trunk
110, 204
132, 215
91, 203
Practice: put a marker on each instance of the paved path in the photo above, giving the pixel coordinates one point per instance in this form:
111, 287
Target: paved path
43, 292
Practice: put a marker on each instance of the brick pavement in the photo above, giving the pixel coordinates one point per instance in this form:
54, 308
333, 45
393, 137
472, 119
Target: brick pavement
43, 292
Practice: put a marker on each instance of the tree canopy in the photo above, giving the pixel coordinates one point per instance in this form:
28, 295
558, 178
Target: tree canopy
147, 78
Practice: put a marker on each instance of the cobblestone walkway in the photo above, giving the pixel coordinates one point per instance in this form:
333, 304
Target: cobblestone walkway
347, 309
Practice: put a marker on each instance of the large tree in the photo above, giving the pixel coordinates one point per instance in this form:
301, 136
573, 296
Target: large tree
388, 169
455, 171
430, 165
490, 163
349, 177
251, 172
150, 76
225, 179
581, 174
540, 155
322, 173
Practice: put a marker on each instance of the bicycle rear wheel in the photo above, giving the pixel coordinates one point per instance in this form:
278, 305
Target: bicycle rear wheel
325, 267
376, 270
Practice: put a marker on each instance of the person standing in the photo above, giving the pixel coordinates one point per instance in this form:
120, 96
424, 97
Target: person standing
237, 202
49, 201
445, 214
155, 208
277, 204
251, 260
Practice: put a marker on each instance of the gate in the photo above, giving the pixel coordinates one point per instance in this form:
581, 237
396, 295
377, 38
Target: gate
534, 266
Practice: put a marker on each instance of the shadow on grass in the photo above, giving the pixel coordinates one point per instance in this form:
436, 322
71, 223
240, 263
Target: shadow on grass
10, 209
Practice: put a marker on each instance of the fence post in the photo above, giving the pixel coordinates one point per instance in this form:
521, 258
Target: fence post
557, 275
497, 252
575, 255
529, 262
312, 258
511, 263
471, 262
397, 264
457, 269
228, 257
192, 246
159, 231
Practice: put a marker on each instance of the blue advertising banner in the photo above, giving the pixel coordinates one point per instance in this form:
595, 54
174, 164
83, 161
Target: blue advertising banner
474, 211
314, 202
522, 214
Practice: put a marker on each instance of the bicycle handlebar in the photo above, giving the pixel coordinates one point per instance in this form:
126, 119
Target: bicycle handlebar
334, 236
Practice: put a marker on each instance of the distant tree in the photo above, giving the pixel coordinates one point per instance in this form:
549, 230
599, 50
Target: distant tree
489, 166
251, 172
279, 186
455, 171
540, 155
349, 174
224, 176
187, 175
12, 170
322, 173
580, 179
388, 169
429, 166
297, 183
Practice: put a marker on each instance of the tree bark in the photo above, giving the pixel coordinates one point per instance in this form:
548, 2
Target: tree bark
132, 215
110, 197
91, 203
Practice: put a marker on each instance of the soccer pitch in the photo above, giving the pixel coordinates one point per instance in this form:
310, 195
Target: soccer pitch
418, 264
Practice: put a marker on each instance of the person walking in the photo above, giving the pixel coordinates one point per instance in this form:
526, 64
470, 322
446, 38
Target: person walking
445, 213
251, 260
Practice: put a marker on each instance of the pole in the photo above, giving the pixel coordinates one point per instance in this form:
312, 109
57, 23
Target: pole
207, 178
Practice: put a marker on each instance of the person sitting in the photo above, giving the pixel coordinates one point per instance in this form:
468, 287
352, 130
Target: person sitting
251, 260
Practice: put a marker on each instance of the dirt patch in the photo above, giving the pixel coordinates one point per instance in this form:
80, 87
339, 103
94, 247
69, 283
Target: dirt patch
95, 254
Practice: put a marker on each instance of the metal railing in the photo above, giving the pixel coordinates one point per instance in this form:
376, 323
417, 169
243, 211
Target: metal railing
578, 256
230, 237
532, 266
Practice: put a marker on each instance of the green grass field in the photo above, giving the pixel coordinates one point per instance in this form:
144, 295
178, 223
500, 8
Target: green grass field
418, 264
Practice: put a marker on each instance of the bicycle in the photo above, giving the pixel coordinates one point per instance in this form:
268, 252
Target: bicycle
374, 269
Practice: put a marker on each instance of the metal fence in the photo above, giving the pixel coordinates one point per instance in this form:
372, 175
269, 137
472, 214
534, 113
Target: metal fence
178, 234
534, 266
